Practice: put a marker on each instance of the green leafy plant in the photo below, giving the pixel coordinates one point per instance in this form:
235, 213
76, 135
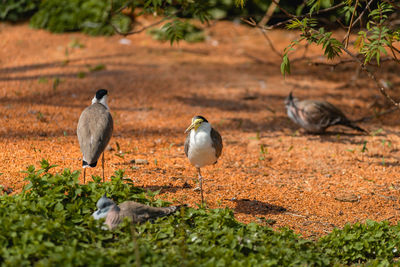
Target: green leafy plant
16, 10
50, 223
178, 30
92, 17
362, 242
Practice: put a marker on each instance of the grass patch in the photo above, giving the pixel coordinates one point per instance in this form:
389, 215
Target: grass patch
49, 223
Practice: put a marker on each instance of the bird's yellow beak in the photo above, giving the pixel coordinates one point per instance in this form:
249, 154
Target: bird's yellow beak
195, 124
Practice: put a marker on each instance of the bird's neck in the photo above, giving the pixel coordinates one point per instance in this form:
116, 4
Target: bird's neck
204, 127
102, 101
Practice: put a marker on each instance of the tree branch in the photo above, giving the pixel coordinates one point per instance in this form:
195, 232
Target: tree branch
354, 23
268, 14
350, 25
372, 76
306, 15
145, 27
263, 31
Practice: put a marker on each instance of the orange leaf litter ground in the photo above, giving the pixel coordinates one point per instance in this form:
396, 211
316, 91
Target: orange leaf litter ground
308, 183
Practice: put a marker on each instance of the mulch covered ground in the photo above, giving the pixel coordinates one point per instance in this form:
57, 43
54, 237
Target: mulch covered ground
269, 169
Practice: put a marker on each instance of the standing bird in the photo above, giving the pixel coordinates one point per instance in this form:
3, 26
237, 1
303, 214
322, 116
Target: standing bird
94, 131
203, 146
315, 116
136, 212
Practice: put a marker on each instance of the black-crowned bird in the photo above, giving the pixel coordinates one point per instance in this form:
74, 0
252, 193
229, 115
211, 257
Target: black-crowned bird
95, 127
203, 146
136, 212
316, 116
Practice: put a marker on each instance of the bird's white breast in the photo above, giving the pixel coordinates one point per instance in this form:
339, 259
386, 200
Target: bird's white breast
101, 213
201, 152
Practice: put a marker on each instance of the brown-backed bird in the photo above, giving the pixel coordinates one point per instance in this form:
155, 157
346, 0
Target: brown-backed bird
203, 146
315, 116
136, 212
95, 127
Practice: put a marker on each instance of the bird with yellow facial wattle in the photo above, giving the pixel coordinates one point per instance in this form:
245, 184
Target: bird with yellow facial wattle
203, 146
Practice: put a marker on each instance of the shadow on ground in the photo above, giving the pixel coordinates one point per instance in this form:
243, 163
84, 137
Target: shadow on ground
254, 207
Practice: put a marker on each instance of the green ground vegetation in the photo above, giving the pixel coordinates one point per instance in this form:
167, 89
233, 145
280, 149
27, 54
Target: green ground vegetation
49, 223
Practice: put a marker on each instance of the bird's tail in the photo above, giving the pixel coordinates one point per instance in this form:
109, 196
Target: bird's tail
172, 209
87, 165
354, 126
166, 211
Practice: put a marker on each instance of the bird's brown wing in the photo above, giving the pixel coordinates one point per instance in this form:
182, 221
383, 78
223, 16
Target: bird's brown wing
113, 218
321, 113
217, 142
94, 131
187, 141
140, 213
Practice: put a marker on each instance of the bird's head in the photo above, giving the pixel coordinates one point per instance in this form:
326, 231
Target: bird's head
104, 204
101, 97
196, 122
289, 101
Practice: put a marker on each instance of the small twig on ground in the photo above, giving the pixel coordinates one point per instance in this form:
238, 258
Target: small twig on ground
294, 214
389, 218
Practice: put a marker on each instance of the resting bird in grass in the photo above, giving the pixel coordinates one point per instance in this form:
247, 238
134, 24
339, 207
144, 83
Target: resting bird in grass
203, 146
95, 127
136, 212
316, 116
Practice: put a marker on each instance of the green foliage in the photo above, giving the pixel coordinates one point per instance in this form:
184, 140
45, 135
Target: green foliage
178, 30
50, 224
362, 242
89, 16
371, 44
16, 10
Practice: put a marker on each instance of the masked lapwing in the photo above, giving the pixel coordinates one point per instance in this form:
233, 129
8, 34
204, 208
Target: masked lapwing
94, 131
203, 146
136, 212
316, 116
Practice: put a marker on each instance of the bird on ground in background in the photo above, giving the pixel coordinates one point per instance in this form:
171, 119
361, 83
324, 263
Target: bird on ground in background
114, 214
95, 127
203, 146
316, 116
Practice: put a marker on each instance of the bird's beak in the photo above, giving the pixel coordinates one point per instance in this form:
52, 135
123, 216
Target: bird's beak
195, 124
190, 127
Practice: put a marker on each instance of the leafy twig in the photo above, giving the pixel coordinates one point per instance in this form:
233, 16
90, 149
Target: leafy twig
355, 22
350, 25
305, 15
263, 31
146, 27
373, 77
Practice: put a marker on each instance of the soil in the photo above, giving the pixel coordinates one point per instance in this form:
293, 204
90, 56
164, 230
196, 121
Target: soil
270, 171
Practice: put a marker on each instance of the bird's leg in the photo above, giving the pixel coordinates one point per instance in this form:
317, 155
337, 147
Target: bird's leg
102, 161
84, 175
201, 186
